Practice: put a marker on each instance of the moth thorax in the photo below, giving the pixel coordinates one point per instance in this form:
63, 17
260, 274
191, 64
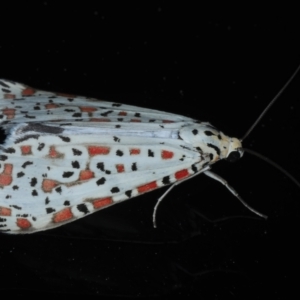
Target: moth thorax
208, 140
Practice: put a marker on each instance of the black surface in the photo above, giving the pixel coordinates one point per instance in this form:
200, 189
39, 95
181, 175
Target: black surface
183, 60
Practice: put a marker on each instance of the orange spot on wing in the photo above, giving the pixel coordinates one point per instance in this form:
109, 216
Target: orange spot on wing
4, 211
23, 223
135, 120
86, 175
167, 154
28, 91
48, 185
9, 112
181, 174
122, 113
87, 109
98, 150
26, 150
51, 105
53, 153
99, 120
147, 187
99, 203
167, 121
9, 96
135, 151
5, 176
120, 168
63, 215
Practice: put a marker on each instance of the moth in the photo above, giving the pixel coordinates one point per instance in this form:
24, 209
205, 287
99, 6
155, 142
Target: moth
65, 157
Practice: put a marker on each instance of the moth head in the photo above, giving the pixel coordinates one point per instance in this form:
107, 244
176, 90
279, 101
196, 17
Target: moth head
235, 151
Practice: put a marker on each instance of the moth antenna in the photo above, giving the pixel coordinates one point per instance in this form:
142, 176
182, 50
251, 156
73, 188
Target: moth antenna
271, 103
272, 163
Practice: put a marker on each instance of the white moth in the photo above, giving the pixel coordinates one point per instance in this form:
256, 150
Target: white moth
65, 156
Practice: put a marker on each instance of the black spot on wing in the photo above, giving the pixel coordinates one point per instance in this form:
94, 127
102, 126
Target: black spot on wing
50, 210
16, 207
66, 203
34, 193
58, 190
119, 153
166, 180
150, 153
83, 208
64, 138
194, 169
115, 190
33, 181
101, 181
76, 152
105, 114
47, 201
20, 174
27, 137
75, 164
5, 90
3, 157
4, 84
214, 147
27, 163
128, 193
41, 146
195, 131
10, 150
100, 166
67, 174
133, 167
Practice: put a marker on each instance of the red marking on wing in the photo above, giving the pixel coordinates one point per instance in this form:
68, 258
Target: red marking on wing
120, 168
167, 154
9, 96
99, 120
181, 174
5, 176
98, 203
53, 153
135, 120
135, 151
9, 112
28, 91
23, 223
4, 211
167, 121
122, 113
87, 109
98, 150
51, 105
86, 175
48, 185
26, 150
63, 215
147, 187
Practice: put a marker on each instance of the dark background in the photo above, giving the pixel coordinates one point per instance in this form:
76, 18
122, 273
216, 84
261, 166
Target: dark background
185, 60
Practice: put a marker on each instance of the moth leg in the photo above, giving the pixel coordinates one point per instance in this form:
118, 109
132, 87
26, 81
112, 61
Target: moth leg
169, 190
233, 191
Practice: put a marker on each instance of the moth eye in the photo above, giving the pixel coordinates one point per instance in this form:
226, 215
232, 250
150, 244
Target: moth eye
233, 156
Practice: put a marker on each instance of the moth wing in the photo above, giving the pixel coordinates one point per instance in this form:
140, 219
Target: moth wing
20, 103
51, 175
